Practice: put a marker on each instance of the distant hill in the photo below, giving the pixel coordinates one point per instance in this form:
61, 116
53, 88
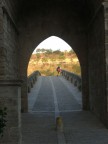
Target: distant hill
47, 62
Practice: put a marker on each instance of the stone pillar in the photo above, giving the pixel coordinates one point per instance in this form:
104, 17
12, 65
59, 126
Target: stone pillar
2, 58
10, 89
24, 95
85, 88
106, 49
10, 97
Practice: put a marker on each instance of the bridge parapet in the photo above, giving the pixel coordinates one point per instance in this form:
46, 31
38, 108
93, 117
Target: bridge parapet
73, 78
32, 79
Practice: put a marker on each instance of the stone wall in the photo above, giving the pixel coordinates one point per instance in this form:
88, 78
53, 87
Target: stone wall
2, 56
10, 97
73, 78
12, 7
10, 86
105, 4
96, 65
9, 46
32, 79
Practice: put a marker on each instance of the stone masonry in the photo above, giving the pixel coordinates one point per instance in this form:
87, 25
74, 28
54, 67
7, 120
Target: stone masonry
106, 49
10, 84
23, 25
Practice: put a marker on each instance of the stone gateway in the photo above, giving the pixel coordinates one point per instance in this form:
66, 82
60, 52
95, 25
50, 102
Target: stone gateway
83, 24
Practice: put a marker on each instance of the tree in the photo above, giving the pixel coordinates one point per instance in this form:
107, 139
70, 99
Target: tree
38, 50
57, 52
48, 51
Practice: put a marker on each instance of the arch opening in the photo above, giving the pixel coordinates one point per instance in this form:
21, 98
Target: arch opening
78, 30
53, 52
46, 59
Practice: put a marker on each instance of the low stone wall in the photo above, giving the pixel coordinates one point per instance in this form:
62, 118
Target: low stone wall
32, 79
73, 78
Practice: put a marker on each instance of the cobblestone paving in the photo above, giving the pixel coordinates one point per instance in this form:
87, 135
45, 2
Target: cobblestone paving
80, 127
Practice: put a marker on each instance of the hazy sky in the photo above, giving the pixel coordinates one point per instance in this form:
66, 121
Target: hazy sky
54, 43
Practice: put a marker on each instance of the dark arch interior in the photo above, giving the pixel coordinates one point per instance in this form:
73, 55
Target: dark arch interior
80, 23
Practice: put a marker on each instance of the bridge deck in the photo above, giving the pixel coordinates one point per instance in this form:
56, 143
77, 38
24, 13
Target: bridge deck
54, 96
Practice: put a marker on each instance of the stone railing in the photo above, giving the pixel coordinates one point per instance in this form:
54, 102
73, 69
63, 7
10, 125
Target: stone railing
73, 78
32, 79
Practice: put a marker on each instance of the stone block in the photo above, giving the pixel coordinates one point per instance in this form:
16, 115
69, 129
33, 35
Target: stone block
10, 97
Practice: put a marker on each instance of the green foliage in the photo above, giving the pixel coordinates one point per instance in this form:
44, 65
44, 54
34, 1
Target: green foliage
2, 120
47, 62
61, 57
57, 52
47, 72
48, 51
44, 59
38, 56
71, 51
76, 69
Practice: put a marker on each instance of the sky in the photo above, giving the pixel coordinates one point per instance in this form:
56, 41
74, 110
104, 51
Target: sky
54, 43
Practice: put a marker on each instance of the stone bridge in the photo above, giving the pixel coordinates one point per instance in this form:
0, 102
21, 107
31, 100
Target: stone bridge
32, 79
54, 97
83, 24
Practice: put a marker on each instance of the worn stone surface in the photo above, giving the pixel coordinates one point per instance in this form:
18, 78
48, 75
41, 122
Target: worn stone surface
106, 49
38, 126
97, 94
10, 98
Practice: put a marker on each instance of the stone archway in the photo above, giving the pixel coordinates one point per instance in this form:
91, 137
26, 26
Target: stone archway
79, 30
79, 23
37, 25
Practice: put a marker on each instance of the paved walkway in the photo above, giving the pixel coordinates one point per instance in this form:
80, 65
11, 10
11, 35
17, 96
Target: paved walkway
52, 97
